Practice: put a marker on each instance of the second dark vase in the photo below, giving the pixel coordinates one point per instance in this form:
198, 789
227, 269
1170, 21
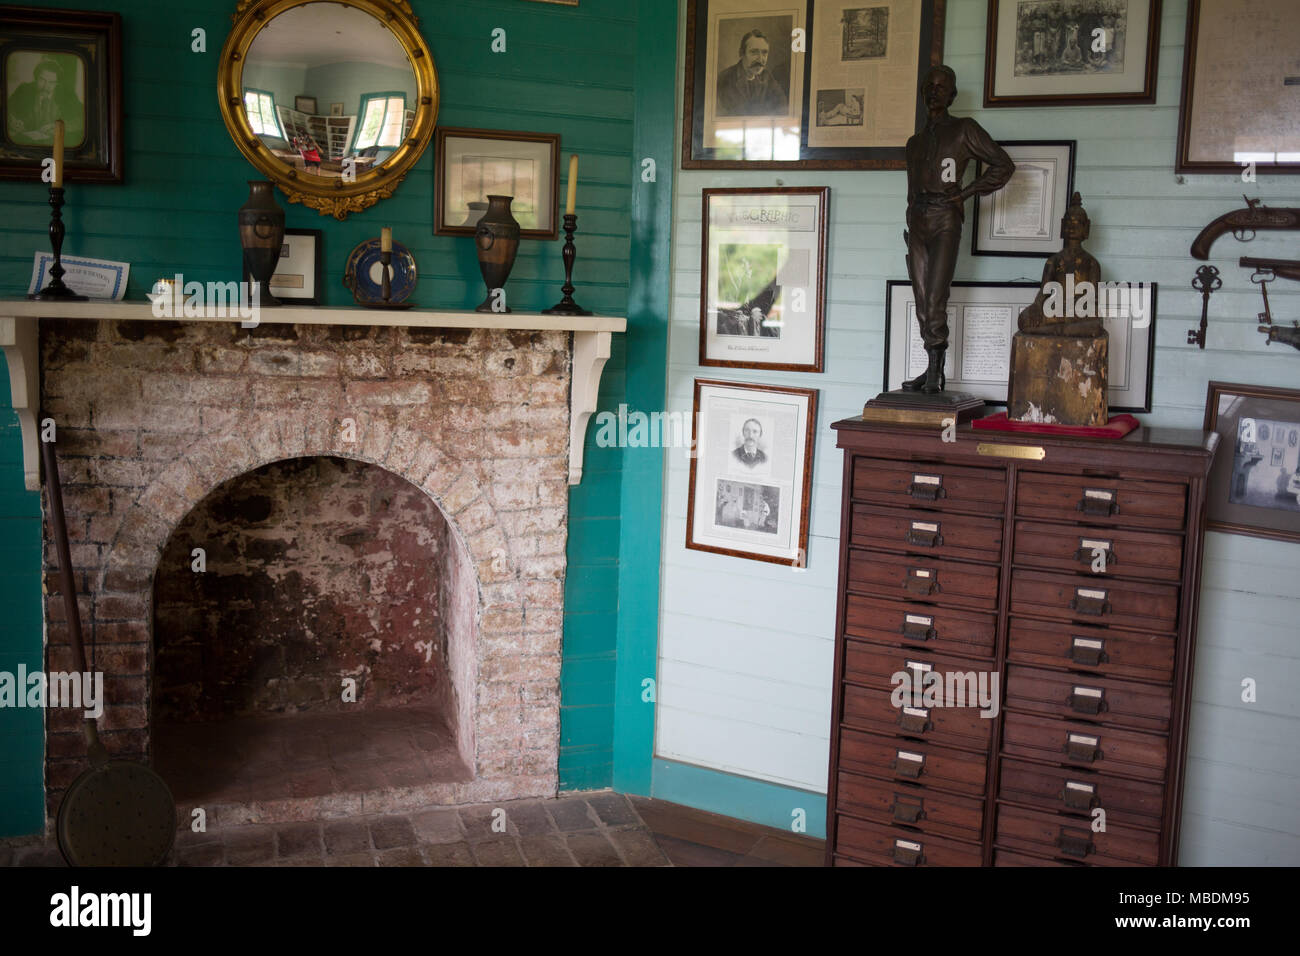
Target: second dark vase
497, 239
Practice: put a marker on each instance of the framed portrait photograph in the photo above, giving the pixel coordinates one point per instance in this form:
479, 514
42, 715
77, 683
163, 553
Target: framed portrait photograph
1254, 484
297, 277
1071, 52
472, 164
843, 98
982, 317
1241, 87
1023, 218
751, 474
61, 65
763, 278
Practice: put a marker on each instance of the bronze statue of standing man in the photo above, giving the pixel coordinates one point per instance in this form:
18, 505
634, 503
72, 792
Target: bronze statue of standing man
937, 157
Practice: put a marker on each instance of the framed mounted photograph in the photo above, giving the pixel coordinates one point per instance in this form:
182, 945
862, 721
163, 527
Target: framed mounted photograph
1024, 217
305, 104
61, 64
844, 98
297, 277
981, 320
763, 278
1071, 52
336, 109
1241, 93
472, 164
1254, 484
751, 475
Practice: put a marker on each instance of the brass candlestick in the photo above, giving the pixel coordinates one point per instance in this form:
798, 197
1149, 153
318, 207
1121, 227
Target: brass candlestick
386, 286
566, 306
55, 289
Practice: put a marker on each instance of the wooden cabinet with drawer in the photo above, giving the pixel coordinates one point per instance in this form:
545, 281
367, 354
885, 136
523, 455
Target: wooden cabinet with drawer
1062, 572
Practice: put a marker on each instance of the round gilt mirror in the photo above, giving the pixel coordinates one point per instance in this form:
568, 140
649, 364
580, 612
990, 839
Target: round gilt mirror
333, 101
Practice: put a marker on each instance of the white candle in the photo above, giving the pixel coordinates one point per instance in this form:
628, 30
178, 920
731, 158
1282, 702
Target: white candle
58, 154
386, 239
573, 185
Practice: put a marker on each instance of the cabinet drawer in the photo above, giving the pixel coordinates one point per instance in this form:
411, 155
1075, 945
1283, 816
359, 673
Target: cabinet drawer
1108, 700
910, 625
1127, 502
1077, 744
875, 666
1063, 790
914, 484
1072, 839
874, 710
930, 811
941, 535
922, 762
927, 579
1107, 651
1099, 552
1134, 604
890, 846
1007, 858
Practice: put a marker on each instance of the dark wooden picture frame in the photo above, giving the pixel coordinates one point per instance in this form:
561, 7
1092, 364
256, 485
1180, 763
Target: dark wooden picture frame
318, 258
1241, 517
93, 152
1053, 244
1187, 111
1151, 51
802, 473
443, 133
696, 156
816, 296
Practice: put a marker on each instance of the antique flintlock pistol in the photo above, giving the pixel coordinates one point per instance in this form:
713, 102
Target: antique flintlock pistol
1241, 222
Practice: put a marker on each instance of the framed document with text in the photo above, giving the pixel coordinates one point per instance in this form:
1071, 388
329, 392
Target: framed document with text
981, 320
1023, 218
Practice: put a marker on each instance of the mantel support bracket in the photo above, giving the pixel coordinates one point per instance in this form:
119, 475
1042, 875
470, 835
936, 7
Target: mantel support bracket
590, 353
18, 338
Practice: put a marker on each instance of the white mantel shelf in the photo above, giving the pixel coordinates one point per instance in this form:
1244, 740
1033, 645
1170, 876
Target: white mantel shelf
19, 319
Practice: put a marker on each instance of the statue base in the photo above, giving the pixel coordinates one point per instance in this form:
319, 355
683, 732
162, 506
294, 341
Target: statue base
1058, 379
901, 407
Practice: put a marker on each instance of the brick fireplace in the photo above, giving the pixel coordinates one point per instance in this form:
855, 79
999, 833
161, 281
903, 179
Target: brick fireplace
466, 429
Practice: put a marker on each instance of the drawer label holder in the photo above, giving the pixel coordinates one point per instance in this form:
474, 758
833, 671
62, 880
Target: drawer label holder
1083, 747
1087, 650
927, 487
918, 627
1098, 502
908, 763
1091, 601
924, 534
1087, 700
908, 853
1079, 796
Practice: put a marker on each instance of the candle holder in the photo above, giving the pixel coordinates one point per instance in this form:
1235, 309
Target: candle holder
567, 306
55, 289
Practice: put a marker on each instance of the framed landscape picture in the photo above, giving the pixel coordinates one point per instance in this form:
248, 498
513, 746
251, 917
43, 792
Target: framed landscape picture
751, 474
1071, 52
1241, 87
1023, 218
763, 278
982, 317
472, 164
61, 65
1255, 481
805, 84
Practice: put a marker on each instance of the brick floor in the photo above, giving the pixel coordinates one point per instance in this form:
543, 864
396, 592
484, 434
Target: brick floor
591, 829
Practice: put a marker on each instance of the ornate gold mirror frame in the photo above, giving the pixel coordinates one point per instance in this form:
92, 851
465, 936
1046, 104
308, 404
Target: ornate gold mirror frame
333, 196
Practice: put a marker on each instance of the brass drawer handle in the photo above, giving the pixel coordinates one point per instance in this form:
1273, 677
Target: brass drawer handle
921, 581
1090, 601
924, 534
908, 853
1089, 551
914, 720
1079, 796
1074, 843
1087, 700
907, 811
908, 764
1083, 747
917, 627
1087, 650
927, 487
1098, 502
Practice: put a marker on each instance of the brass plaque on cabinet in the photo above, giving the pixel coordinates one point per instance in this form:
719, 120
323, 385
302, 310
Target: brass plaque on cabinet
1011, 451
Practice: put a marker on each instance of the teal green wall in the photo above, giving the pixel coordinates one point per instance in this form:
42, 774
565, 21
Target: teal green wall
600, 75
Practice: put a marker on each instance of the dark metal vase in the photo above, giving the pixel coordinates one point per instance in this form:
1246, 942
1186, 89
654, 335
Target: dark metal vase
261, 232
497, 238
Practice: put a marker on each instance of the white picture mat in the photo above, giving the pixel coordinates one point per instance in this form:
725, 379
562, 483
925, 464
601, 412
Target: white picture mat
295, 274
1131, 80
978, 367
533, 209
720, 409
792, 222
1025, 215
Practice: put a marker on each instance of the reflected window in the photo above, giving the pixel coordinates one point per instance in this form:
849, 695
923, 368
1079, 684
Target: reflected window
382, 120
260, 107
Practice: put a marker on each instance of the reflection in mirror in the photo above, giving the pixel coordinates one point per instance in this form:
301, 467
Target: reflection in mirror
329, 53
